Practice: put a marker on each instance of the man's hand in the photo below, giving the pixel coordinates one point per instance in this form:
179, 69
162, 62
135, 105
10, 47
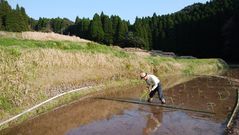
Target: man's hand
150, 90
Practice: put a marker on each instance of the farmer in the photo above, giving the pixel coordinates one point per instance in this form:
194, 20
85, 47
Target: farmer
154, 86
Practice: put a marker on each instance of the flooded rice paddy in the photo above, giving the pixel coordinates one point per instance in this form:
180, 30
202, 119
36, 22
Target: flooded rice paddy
97, 116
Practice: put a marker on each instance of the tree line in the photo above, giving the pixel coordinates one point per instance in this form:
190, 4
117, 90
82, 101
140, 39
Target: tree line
13, 19
201, 30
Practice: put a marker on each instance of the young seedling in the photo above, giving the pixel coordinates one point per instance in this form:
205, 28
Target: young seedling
211, 105
199, 92
171, 99
221, 95
144, 96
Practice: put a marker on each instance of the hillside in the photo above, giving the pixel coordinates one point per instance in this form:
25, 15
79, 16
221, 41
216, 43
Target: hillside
206, 30
35, 70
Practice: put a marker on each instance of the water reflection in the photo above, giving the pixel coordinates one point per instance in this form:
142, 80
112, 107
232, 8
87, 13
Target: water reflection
154, 119
180, 123
143, 120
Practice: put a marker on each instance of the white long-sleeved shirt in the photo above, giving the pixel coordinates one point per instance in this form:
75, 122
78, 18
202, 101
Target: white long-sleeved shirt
152, 82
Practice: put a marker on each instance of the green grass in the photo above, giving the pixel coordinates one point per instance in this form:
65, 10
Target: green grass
5, 103
193, 64
155, 60
62, 45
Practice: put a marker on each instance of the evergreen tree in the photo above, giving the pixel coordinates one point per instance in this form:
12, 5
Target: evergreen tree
133, 41
5, 9
121, 31
85, 28
115, 23
43, 24
18, 8
24, 17
79, 28
32, 22
141, 32
1, 24
108, 30
14, 22
155, 31
96, 30
77, 20
56, 25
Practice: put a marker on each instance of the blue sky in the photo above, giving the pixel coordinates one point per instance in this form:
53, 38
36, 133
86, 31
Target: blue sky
126, 9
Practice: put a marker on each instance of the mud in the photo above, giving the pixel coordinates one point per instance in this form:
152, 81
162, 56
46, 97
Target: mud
95, 116
234, 73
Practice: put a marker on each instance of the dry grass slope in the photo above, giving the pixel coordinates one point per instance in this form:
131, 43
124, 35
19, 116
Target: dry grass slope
42, 36
51, 36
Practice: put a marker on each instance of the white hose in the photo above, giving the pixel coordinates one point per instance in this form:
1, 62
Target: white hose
234, 111
38, 105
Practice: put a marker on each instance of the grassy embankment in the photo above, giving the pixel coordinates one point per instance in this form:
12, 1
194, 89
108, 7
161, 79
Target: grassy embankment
32, 71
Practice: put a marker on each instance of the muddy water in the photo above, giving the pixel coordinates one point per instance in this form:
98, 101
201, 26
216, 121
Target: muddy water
97, 116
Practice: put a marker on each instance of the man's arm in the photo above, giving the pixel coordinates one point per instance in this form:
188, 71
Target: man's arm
154, 86
155, 82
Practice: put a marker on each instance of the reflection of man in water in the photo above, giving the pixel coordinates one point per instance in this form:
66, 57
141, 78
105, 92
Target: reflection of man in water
154, 86
154, 120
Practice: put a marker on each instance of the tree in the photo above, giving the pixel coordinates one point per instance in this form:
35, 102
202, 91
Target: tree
121, 31
1, 24
107, 28
85, 28
79, 28
115, 23
141, 31
96, 30
77, 20
24, 17
43, 24
32, 22
155, 31
15, 23
5, 9
133, 41
56, 25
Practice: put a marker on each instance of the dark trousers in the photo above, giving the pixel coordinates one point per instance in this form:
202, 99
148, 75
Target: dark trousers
159, 90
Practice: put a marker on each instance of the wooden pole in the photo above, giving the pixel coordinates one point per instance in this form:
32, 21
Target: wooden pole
155, 104
234, 111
